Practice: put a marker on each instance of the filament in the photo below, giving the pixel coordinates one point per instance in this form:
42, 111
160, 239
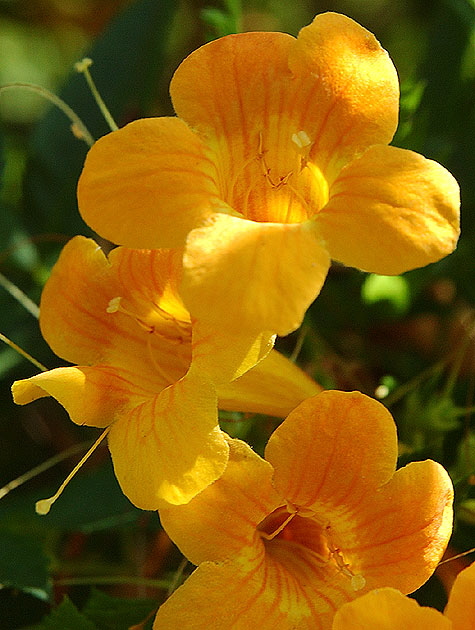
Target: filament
43, 506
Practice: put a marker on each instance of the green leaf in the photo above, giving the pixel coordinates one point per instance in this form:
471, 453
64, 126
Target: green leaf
65, 617
225, 21
394, 290
113, 613
23, 563
128, 60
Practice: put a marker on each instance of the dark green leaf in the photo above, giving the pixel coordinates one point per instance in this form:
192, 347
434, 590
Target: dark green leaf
113, 613
66, 617
23, 563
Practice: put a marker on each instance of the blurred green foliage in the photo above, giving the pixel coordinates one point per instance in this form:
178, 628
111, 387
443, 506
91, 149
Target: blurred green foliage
408, 340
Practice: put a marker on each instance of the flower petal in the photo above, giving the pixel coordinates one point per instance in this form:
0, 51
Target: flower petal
460, 608
94, 396
229, 596
147, 184
78, 324
230, 89
244, 276
333, 449
351, 83
335, 83
397, 535
169, 448
273, 387
221, 522
223, 357
391, 210
388, 609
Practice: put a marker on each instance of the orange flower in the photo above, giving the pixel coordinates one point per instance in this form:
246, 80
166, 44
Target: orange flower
284, 543
388, 609
149, 372
278, 161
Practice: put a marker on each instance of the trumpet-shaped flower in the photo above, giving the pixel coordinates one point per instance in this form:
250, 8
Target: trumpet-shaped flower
389, 609
277, 162
284, 543
149, 372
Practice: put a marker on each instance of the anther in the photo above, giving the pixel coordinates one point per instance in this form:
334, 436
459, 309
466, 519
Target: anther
115, 306
301, 139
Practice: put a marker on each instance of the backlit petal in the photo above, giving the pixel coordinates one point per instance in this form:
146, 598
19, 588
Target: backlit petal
348, 89
335, 83
221, 522
169, 448
274, 387
397, 535
223, 357
233, 89
240, 275
390, 211
147, 184
388, 609
460, 608
94, 396
315, 461
78, 324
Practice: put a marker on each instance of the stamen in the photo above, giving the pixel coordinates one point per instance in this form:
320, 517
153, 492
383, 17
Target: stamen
115, 306
182, 328
357, 580
266, 170
43, 506
281, 527
301, 139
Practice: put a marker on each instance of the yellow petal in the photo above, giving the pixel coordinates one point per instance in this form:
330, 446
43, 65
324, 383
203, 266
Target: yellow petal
397, 535
221, 522
460, 608
334, 448
223, 357
147, 184
391, 210
219, 88
226, 596
254, 92
274, 387
149, 334
169, 448
335, 455
388, 609
348, 91
94, 396
244, 276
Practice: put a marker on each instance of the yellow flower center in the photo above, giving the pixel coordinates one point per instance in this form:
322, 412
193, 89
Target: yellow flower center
289, 533
273, 179
153, 318
168, 334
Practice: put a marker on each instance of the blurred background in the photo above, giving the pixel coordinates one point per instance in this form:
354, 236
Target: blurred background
408, 341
